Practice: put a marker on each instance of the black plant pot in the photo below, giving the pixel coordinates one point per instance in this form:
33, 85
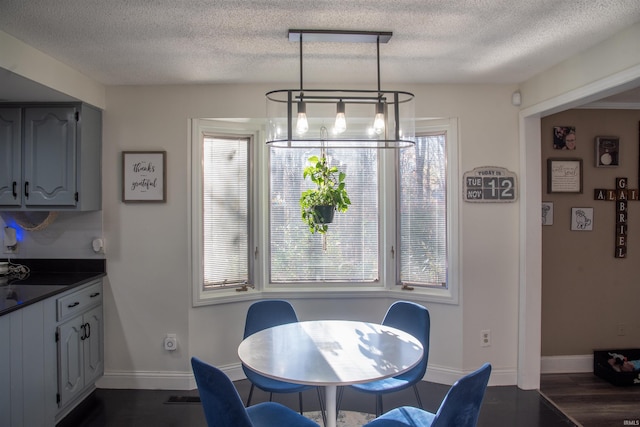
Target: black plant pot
325, 214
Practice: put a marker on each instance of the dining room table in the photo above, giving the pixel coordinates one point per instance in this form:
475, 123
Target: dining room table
329, 354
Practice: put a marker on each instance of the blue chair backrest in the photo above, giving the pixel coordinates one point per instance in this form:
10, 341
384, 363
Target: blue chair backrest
268, 313
415, 320
461, 405
221, 402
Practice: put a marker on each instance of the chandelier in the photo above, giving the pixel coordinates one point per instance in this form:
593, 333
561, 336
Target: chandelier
354, 118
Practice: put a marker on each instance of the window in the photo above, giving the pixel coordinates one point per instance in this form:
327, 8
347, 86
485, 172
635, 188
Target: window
348, 252
225, 203
222, 209
398, 233
423, 212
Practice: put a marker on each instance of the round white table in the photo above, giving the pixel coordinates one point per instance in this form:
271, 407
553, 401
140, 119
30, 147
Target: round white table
330, 353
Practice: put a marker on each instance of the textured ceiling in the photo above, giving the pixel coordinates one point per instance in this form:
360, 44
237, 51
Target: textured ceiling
132, 42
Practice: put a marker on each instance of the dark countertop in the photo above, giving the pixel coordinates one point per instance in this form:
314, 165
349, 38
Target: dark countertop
46, 278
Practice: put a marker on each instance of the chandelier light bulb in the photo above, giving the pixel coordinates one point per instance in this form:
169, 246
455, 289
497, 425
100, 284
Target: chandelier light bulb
378, 121
302, 125
341, 121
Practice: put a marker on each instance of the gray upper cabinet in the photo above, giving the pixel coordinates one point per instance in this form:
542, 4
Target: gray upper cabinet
10, 156
56, 163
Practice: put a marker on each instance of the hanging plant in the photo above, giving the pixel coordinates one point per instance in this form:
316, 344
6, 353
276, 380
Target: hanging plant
329, 195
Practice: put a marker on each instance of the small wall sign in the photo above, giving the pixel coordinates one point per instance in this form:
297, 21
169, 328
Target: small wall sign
144, 176
490, 184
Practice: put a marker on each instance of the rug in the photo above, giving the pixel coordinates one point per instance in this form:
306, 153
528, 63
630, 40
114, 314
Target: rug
345, 418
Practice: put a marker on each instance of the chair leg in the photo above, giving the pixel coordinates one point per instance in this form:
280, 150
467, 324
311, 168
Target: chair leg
378, 405
300, 402
415, 389
250, 394
323, 409
339, 399
270, 397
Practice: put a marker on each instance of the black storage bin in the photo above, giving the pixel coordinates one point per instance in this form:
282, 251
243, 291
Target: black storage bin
603, 369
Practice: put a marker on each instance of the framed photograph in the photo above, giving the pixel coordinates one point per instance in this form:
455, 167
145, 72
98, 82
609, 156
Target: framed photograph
564, 138
547, 213
607, 151
144, 176
564, 176
581, 219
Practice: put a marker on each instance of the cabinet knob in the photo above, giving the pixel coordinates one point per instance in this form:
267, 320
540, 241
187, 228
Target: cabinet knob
73, 305
15, 193
26, 189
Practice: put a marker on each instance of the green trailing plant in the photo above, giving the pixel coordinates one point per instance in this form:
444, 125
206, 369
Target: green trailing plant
329, 191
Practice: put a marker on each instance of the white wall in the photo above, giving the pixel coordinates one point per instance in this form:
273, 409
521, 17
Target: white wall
148, 294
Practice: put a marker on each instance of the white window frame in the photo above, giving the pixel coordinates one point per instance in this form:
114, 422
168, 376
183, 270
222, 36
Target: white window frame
200, 128
259, 211
450, 294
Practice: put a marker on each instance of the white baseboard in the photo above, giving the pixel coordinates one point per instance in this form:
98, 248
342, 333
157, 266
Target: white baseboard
448, 376
150, 380
578, 363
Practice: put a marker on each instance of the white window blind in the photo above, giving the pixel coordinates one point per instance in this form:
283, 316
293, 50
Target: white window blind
225, 197
423, 212
351, 253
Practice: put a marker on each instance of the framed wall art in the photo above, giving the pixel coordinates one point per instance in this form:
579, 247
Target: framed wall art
581, 219
144, 176
564, 176
564, 138
607, 151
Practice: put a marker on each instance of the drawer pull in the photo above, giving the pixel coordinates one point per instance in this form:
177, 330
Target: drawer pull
73, 305
95, 294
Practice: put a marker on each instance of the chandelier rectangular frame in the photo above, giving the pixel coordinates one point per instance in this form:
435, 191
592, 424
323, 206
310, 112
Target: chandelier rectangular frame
373, 118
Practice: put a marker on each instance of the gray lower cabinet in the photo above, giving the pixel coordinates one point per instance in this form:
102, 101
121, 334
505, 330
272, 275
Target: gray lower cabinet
80, 355
51, 157
52, 354
80, 344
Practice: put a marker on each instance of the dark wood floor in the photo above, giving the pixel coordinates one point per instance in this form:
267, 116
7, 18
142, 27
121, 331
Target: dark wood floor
591, 401
502, 406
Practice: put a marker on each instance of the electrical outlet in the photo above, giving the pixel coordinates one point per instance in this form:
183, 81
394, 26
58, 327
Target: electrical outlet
170, 342
9, 241
485, 338
622, 329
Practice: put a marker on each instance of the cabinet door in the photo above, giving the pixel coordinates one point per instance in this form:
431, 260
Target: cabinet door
50, 156
71, 368
10, 156
93, 345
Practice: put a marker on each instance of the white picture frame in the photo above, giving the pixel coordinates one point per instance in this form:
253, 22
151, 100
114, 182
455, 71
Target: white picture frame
581, 219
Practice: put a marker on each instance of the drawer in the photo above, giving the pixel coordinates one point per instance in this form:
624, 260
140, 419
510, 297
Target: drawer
79, 301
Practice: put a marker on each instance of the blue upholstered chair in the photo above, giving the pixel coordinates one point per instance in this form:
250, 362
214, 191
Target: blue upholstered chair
413, 319
262, 315
223, 406
460, 407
